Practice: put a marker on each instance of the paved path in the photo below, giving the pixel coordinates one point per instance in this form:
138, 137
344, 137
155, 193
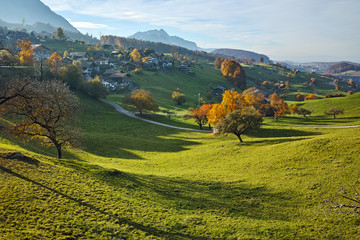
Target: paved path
132, 115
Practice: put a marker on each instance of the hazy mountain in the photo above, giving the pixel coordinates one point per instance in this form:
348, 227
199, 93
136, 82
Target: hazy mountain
240, 54
163, 37
29, 12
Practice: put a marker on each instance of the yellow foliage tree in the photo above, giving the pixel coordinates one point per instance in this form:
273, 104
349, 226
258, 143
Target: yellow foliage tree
26, 56
55, 62
142, 100
135, 55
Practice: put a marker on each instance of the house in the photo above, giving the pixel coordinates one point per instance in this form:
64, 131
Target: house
115, 75
40, 51
79, 55
102, 61
110, 85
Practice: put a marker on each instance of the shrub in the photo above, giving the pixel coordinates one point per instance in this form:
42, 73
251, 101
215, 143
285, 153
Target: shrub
311, 97
300, 97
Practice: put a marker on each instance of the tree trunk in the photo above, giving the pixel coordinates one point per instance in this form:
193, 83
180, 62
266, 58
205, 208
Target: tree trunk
239, 137
58, 147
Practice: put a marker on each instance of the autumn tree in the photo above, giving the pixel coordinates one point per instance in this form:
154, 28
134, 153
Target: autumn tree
7, 58
55, 62
304, 112
59, 33
300, 97
333, 111
218, 61
200, 114
352, 83
95, 88
142, 100
293, 109
26, 56
239, 121
311, 97
279, 106
232, 100
135, 56
72, 75
14, 89
178, 97
235, 74
44, 114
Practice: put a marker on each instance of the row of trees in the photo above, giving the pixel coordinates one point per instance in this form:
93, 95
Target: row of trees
40, 111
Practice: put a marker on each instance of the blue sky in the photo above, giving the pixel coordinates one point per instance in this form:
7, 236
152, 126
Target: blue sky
297, 30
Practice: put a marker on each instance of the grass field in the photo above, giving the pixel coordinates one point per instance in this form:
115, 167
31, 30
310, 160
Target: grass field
134, 180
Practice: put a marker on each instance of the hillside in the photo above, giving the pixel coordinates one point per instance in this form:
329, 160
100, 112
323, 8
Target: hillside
343, 67
178, 185
240, 54
30, 12
163, 37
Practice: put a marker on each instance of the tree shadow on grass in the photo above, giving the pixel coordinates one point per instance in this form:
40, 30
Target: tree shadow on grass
234, 199
119, 220
121, 145
281, 132
319, 120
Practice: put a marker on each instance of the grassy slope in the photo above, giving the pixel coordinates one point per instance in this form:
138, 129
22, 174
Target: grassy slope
180, 185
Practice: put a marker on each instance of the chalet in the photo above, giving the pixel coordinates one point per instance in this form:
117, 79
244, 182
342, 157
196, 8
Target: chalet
111, 85
40, 51
79, 55
115, 75
102, 61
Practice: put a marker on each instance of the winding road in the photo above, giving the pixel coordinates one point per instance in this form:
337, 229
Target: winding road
132, 115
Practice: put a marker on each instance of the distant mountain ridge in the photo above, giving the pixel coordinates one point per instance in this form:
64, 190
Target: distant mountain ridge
240, 54
31, 11
163, 37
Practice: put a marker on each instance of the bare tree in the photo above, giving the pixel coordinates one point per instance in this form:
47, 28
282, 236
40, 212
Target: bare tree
45, 111
345, 202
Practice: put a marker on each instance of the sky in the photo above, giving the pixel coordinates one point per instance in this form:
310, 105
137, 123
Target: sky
284, 30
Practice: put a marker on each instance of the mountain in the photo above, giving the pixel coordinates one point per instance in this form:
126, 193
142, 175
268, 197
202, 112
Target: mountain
240, 54
163, 37
29, 12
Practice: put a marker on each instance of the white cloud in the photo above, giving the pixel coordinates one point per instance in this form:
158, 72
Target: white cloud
259, 24
89, 25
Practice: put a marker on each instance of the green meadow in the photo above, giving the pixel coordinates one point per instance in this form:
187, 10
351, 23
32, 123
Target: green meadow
135, 180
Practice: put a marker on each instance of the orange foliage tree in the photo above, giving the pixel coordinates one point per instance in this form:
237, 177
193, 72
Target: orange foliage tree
200, 114
279, 106
232, 100
26, 56
310, 97
55, 62
235, 74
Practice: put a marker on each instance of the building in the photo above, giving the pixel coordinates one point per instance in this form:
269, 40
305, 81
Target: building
40, 51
